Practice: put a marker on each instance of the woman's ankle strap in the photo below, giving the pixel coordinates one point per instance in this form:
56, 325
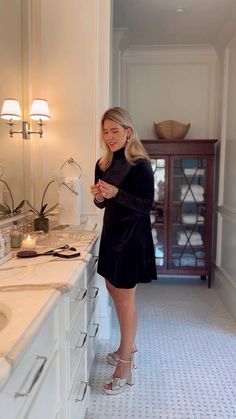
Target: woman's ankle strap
125, 361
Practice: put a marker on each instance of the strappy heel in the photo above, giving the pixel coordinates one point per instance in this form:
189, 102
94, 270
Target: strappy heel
113, 357
116, 384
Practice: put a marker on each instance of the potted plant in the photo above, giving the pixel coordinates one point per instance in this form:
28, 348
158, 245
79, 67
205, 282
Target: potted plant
5, 209
42, 221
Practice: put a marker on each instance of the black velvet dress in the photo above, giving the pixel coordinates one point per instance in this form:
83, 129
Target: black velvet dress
126, 255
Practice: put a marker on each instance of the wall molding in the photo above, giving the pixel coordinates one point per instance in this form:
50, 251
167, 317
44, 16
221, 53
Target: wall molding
221, 271
227, 212
175, 56
223, 125
219, 240
224, 213
157, 50
226, 289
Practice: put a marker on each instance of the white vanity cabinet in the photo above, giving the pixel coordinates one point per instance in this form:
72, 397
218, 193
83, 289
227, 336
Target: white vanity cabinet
32, 391
75, 388
79, 334
99, 299
50, 380
93, 320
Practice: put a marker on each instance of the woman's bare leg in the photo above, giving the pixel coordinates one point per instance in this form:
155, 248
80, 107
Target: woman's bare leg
124, 301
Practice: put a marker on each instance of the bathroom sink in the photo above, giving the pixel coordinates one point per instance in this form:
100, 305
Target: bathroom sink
60, 238
80, 237
50, 240
5, 314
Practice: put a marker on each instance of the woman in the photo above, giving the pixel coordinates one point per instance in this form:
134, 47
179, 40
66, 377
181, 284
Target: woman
124, 186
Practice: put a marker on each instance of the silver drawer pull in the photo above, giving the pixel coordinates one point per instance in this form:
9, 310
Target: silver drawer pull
80, 297
95, 293
35, 378
83, 343
96, 331
84, 392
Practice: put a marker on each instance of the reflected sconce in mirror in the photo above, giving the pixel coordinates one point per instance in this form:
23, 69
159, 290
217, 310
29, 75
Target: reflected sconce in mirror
39, 111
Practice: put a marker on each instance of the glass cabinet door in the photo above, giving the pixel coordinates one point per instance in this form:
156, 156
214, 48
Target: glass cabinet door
158, 214
188, 213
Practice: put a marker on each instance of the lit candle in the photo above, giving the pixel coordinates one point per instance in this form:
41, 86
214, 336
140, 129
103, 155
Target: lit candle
29, 243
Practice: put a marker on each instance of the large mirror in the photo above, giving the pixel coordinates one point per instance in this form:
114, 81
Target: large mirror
11, 149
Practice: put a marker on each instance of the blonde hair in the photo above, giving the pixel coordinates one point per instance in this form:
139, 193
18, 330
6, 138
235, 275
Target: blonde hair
134, 149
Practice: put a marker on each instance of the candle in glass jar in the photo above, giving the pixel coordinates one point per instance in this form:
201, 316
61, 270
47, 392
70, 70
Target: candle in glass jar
28, 243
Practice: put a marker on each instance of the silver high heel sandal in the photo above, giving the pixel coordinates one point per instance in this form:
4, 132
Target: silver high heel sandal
117, 385
113, 357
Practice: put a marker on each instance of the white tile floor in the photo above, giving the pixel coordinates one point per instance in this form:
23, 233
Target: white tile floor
186, 359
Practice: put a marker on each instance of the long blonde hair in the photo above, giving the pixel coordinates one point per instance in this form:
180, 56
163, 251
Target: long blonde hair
134, 149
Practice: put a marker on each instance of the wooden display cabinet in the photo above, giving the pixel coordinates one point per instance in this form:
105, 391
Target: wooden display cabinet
182, 215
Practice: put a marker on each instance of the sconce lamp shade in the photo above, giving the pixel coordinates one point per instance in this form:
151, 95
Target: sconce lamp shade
39, 110
11, 110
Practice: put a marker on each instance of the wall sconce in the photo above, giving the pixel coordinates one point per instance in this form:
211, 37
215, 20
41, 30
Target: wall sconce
39, 111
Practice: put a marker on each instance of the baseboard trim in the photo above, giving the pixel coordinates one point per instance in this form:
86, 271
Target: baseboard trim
226, 290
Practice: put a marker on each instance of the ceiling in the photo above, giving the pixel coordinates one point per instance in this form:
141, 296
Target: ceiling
153, 22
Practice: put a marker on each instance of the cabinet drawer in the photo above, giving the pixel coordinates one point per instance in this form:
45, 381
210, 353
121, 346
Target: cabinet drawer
77, 343
46, 402
92, 298
30, 371
92, 340
80, 394
76, 298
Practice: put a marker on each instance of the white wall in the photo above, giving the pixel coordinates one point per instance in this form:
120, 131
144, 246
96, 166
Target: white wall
225, 275
171, 82
70, 52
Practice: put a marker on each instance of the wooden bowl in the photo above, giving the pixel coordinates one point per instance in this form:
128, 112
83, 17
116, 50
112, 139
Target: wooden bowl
171, 130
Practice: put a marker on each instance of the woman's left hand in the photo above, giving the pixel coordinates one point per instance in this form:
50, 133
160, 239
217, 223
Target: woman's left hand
108, 191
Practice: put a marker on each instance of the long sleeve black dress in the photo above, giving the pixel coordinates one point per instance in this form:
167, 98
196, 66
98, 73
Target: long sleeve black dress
126, 254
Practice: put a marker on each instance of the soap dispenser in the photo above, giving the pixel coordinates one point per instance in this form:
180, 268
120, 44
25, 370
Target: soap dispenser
16, 238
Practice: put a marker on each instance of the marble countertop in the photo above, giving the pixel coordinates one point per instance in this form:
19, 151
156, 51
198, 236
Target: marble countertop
39, 282
24, 318
45, 272
40, 273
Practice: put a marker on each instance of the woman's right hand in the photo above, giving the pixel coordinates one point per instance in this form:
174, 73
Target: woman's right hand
96, 192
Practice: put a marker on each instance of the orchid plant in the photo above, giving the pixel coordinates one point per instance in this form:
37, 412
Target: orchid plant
43, 212
5, 209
